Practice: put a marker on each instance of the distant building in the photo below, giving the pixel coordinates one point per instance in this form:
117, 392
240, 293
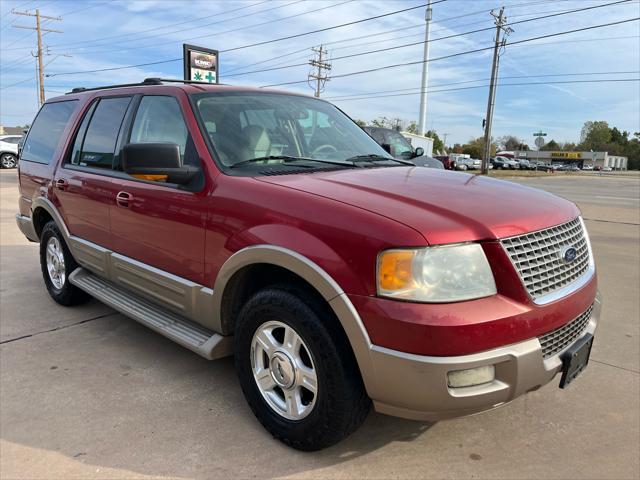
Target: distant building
596, 159
11, 130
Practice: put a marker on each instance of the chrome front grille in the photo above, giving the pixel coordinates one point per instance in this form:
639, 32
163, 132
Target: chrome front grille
556, 341
537, 257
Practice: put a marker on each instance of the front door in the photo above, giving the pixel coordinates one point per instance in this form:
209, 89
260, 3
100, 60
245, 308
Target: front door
157, 224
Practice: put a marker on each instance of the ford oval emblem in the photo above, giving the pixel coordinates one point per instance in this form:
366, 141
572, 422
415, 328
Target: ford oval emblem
568, 254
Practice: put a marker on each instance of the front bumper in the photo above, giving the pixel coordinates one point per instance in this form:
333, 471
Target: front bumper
415, 386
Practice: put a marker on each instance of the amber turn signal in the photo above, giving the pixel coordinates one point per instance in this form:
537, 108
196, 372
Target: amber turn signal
395, 269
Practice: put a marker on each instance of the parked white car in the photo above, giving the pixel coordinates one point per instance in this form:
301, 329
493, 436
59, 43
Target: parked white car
468, 164
9, 151
587, 167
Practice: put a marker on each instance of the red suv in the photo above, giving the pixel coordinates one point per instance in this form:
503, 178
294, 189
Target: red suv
269, 226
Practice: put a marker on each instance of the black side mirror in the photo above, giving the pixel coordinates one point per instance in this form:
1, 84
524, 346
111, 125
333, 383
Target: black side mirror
161, 160
419, 151
386, 147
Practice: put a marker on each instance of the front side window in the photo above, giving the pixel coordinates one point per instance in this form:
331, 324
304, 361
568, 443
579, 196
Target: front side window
45, 133
97, 149
266, 127
159, 119
378, 136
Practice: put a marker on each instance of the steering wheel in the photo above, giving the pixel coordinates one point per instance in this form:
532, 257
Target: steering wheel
328, 148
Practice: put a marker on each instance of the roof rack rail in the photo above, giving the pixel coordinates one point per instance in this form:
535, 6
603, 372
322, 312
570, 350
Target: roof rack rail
178, 80
146, 81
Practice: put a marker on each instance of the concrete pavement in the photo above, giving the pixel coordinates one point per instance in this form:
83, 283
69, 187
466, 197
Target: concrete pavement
88, 393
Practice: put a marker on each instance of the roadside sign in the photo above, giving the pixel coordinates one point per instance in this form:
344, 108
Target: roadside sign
540, 134
200, 63
539, 141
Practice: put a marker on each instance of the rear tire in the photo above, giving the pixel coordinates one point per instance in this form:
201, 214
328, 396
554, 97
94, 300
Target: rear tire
8, 160
339, 404
57, 264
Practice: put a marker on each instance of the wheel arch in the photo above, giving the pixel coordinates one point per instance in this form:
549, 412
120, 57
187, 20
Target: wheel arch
237, 271
42, 211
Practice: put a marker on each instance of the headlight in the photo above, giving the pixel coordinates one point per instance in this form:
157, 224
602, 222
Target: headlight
435, 274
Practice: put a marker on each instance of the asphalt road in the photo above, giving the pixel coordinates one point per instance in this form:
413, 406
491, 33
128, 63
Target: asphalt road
88, 393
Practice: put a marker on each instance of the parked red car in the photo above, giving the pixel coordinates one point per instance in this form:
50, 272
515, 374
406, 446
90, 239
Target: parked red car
269, 226
448, 162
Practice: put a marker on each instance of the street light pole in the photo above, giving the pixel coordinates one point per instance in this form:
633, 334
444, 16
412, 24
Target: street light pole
422, 121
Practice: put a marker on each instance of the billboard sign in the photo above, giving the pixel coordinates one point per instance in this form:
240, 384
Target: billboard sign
570, 155
200, 64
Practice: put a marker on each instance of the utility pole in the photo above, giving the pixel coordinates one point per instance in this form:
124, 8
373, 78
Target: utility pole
38, 28
422, 121
500, 21
444, 141
320, 64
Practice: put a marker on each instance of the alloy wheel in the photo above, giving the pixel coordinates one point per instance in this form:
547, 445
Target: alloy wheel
55, 263
284, 370
8, 161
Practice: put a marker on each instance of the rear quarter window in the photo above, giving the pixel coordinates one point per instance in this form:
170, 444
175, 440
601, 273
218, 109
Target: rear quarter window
44, 135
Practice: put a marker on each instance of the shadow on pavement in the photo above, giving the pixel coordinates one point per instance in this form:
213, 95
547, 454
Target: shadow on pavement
112, 394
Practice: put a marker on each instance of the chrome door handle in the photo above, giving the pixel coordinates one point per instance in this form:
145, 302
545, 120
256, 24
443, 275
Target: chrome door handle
62, 184
123, 199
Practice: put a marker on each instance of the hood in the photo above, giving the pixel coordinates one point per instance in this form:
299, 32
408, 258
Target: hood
444, 206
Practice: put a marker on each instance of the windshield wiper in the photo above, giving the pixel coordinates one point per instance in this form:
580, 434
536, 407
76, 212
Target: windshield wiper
373, 157
289, 158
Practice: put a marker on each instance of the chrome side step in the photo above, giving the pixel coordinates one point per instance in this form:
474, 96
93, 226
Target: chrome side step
202, 341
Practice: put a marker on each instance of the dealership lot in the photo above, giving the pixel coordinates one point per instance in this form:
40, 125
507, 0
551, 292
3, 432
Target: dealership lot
88, 393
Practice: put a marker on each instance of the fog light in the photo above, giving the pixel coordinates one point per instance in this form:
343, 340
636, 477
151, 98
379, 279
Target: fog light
472, 376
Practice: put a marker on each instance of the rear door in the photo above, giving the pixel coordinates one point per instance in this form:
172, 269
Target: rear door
83, 185
161, 225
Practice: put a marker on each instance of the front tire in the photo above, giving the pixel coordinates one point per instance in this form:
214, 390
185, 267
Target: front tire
57, 264
8, 160
297, 370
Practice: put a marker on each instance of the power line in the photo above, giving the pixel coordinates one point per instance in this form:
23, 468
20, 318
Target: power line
30, 79
501, 77
455, 35
269, 23
612, 80
435, 31
193, 19
16, 62
189, 39
38, 28
259, 43
20, 39
76, 10
418, 62
230, 72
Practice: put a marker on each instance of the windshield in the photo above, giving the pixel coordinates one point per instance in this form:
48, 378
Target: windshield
247, 126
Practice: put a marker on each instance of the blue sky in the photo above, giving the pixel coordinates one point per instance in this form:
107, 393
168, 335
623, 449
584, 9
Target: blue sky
107, 34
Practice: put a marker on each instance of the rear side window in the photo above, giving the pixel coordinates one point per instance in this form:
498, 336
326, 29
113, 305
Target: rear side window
98, 147
45, 133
